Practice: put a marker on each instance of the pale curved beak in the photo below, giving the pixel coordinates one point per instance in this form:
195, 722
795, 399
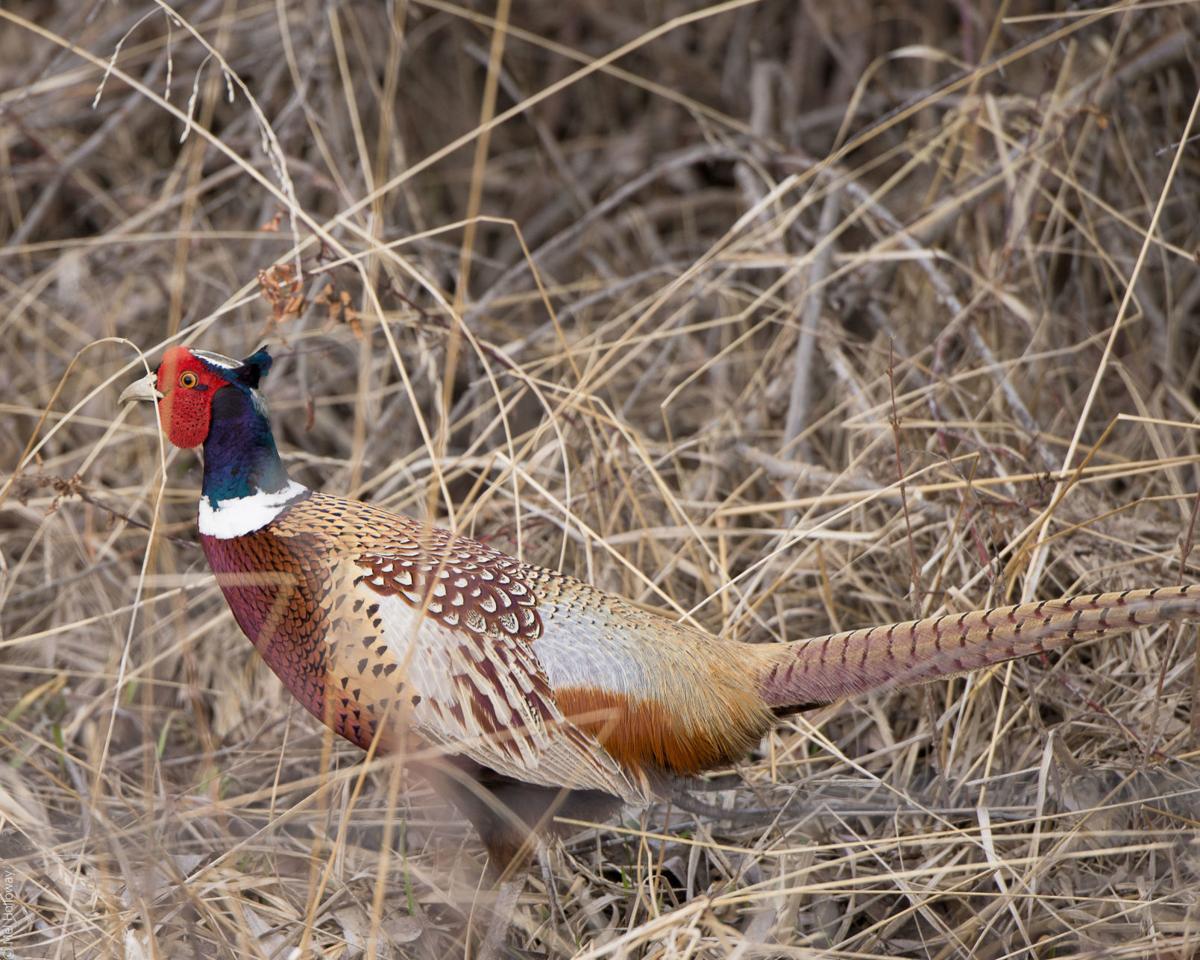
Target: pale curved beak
144, 389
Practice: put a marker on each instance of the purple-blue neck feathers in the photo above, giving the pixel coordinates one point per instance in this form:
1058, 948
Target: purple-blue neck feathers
240, 457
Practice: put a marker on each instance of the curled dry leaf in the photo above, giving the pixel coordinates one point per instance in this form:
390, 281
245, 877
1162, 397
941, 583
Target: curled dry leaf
281, 287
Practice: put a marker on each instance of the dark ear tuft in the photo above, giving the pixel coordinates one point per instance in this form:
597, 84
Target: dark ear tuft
255, 367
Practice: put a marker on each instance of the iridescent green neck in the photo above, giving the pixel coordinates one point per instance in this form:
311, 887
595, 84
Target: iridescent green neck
240, 458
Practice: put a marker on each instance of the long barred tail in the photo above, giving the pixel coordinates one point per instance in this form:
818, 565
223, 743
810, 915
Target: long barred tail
808, 673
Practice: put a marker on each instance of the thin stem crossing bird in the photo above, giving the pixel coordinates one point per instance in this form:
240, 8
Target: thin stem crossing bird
546, 694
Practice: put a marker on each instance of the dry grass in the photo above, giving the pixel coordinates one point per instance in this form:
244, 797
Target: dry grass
672, 297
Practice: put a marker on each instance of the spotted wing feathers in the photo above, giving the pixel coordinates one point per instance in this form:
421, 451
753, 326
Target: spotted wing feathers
447, 626
460, 587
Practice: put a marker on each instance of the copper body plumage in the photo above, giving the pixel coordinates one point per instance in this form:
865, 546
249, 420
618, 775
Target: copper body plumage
359, 610
541, 693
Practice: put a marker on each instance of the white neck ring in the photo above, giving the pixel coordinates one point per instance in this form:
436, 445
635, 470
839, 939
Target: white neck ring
239, 516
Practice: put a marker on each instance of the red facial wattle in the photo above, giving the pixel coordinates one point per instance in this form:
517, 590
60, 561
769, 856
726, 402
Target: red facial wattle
187, 386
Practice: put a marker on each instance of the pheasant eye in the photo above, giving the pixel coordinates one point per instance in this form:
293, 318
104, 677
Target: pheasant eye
188, 379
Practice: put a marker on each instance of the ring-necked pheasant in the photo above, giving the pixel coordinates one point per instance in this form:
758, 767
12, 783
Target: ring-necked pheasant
548, 694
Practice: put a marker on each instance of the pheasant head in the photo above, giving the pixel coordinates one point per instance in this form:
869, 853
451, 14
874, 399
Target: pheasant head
211, 401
